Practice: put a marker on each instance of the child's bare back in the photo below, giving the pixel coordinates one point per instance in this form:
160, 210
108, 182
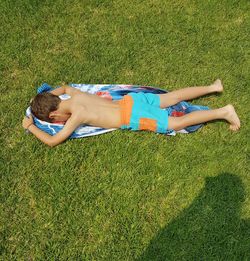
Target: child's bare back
93, 110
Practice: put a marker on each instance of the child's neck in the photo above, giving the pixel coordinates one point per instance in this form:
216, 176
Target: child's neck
64, 107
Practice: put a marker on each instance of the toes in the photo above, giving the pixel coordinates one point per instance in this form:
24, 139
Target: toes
233, 127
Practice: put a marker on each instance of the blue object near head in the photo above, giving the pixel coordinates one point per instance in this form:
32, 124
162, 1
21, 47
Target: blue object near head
44, 88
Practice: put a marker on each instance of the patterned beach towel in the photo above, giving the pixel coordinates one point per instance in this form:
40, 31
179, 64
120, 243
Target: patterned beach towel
115, 92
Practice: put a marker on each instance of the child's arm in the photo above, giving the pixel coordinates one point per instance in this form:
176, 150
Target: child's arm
65, 89
71, 124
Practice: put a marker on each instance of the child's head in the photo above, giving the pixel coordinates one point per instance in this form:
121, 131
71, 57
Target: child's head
43, 104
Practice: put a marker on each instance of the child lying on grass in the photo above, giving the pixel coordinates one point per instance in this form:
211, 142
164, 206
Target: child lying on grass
135, 111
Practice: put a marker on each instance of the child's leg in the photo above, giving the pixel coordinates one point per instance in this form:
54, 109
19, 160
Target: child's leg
189, 93
227, 113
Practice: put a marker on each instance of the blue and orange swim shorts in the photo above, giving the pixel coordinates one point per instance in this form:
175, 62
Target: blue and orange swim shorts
141, 111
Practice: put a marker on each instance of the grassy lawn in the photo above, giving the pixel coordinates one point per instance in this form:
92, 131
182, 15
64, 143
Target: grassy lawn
124, 195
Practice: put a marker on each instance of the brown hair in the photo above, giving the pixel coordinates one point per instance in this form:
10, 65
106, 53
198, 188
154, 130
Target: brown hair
43, 104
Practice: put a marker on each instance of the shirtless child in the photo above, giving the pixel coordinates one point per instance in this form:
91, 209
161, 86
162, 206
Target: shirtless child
136, 111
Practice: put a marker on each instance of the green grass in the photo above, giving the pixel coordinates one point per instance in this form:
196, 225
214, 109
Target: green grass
125, 195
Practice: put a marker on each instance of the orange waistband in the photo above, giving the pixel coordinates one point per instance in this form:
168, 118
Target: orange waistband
126, 104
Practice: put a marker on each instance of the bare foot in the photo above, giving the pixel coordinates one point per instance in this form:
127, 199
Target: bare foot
232, 117
217, 86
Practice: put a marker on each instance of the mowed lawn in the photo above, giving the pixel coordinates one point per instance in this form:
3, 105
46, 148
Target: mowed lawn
125, 195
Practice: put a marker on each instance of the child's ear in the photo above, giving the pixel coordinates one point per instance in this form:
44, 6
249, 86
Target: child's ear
52, 114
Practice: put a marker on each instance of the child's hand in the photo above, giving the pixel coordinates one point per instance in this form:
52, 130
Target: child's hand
27, 121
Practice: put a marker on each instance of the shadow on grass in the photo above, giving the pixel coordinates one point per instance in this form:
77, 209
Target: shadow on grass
210, 229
